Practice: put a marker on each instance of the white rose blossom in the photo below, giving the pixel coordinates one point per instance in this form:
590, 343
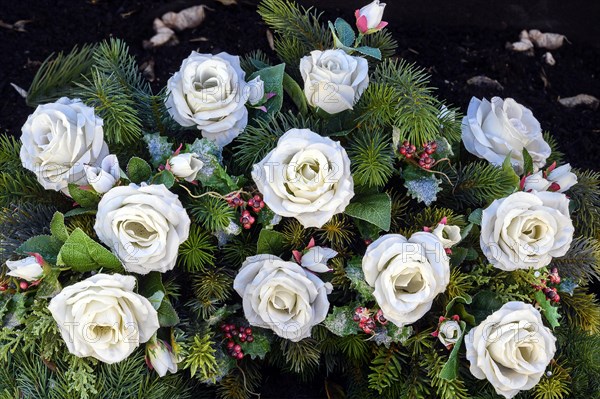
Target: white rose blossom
143, 225
369, 18
28, 269
282, 296
316, 258
526, 230
209, 92
493, 130
58, 139
105, 177
333, 80
449, 332
511, 348
536, 182
448, 235
185, 166
306, 176
161, 357
563, 178
103, 317
407, 274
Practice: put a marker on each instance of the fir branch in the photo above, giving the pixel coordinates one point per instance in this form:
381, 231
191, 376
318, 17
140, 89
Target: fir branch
250, 62
581, 262
553, 385
19, 223
10, 148
294, 234
582, 310
384, 41
586, 197
211, 213
199, 358
580, 352
555, 155
302, 356
430, 217
240, 383
197, 252
337, 232
238, 249
59, 74
385, 369
372, 160
433, 362
20, 186
212, 285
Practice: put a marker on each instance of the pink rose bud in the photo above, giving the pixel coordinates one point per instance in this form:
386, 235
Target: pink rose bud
368, 18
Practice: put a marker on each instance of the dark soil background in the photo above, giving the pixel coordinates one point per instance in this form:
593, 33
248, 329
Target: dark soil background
453, 41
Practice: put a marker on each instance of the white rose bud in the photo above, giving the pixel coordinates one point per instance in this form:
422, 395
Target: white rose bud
27, 269
369, 18
186, 166
105, 177
209, 92
103, 317
492, 130
563, 177
316, 258
282, 296
447, 234
161, 357
306, 176
407, 274
536, 182
143, 225
526, 230
449, 332
511, 349
256, 88
333, 80
58, 139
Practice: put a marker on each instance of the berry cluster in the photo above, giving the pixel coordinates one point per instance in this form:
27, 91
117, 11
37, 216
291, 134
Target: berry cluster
366, 321
23, 285
550, 292
231, 332
256, 204
426, 161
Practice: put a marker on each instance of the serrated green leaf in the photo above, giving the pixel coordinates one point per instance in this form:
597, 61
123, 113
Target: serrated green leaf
258, 348
82, 254
550, 312
47, 246
80, 211
273, 82
356, 276
340, 321
167, 316
164, 177
370, 51
58, 228
344, 31
49, 286
450, 370
270, 242
373, 208
138, 170
85, 198
528, 162
219, 180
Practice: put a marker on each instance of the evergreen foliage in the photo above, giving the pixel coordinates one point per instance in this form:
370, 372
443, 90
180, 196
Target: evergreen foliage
581, 262
211, 213
371, 157
586, 197
197, 252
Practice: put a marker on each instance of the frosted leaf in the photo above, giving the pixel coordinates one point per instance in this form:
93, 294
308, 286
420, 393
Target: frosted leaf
209, 154
159, 148
340, 321
392, 334
424, 189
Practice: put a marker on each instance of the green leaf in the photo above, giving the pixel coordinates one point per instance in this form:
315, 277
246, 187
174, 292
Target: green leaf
296, 93
484, 304
458, 256
82, 254
16, 311
450, 370
356, 276
550, 312
373, 208
398, 334
475, 216
58, 228
150, 283
528, 167
421, 185
164, 177
47, 246
367, 230
270, 242
85, 198
156, 299
340, 321
138, 170
370, 51
81, 211
219, 180
258, 348
466, 299
510, 171
345, 33
49, 286
167, 316
273, 79
159, 148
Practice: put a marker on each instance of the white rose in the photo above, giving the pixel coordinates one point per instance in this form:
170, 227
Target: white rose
306, 176
103, 317
209, 92
316, 258
143, 225
59, 139
161, 357
563, 177
407, 274
369, 17
256, 90
27, 269
526, 230
492, 130
105, 177
186, 166
334, 80
449, 332
536, 182
447, 234
282, 296
511, 348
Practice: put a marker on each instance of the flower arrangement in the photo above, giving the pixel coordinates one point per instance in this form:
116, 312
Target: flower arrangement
323, 214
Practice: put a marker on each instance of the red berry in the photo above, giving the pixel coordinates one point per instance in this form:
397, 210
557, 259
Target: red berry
239, 356
3, 287
237, 348
24, 285
230, 344
248, 331
243, 339
250, 338
228, 335
556, 298
356, 318
242, 335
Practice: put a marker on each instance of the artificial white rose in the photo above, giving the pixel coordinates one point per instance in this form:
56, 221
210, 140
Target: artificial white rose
256, 90
27, 269
333, 80
447, 234
105, 177
316, 258
563, 177
209, 92
143, 225
58, 139
493, 130
536, 182
511, 348
161, 357
407, 274
185, 166
369, 17
282, 296
103, 317
449, 332
306, 176
526, 230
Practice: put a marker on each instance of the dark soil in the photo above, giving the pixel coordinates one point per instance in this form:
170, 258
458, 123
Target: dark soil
451, 55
